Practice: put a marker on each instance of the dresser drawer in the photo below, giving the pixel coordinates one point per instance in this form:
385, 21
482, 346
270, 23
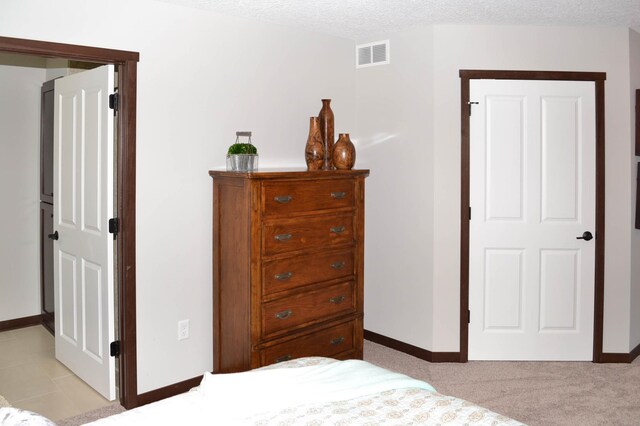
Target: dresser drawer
286, 274
312, 306
302, 233
283, 198
329, 342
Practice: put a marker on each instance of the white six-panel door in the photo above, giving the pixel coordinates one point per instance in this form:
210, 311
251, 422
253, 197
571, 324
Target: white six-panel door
83, 205
532, 183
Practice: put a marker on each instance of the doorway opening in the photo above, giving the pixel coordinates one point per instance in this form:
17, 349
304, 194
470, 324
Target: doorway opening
465, 106
125, 195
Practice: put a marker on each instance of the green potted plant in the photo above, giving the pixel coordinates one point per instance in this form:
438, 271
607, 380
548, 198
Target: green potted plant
242, 156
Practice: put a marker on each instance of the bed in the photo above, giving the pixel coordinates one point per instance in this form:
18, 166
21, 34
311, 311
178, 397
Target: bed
311, 391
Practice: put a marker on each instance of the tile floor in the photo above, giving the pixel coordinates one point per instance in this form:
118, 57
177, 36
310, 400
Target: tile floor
32, 379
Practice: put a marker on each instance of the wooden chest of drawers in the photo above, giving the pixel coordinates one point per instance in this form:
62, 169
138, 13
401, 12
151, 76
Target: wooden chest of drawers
288, 250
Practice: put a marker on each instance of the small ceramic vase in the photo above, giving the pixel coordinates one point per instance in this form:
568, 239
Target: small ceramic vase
314, 150
344, 153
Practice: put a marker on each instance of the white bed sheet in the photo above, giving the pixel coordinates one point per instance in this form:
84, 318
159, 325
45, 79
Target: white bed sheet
310, 391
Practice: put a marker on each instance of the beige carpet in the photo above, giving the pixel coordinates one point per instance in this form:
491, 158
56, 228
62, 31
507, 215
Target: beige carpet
93, 415
535, 393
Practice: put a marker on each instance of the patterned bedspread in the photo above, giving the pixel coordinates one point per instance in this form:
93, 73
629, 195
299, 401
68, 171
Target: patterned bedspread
395, 407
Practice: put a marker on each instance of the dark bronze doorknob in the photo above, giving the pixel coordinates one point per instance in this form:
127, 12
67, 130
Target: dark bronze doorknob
53, 236
585, 236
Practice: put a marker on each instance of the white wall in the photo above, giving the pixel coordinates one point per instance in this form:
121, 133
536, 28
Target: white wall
634, 71
20, 186
394, 115
427, 314
201, 77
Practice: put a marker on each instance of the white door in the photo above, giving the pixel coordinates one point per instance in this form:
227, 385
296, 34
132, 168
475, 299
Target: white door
83, 205
532, 183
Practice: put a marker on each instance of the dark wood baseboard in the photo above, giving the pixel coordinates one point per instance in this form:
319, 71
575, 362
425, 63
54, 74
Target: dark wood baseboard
408, 349
613, 358
167, 391
20, 322
634, 353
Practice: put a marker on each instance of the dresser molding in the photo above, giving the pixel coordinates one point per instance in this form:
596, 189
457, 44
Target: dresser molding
288, 264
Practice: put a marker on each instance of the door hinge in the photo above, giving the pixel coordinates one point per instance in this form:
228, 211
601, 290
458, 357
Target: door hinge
114, 226
114, 348
469, 316
469, 212
471, 104
114, 101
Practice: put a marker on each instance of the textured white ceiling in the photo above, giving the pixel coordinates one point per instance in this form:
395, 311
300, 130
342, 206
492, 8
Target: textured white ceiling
360, 19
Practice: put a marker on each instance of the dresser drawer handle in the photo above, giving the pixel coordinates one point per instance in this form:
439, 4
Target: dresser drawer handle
283, 237
283, 199
283, 358
283, 276
338, 265
284, 314
337, 229
337, 341
337, 300
338, 195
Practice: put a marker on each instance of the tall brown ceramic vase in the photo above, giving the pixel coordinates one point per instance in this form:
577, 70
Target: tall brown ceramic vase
326, 129
314, 150
344, 153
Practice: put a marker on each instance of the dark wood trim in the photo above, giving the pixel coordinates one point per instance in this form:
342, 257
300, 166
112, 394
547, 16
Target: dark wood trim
635, 352
598, 309
532, 75
614, 358
168, 391
67, 51
20, 322
464, 220
637, 121
126, 187
599, 79
408, 349
126, 242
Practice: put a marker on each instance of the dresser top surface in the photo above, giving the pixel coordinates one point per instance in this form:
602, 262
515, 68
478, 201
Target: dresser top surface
289, 173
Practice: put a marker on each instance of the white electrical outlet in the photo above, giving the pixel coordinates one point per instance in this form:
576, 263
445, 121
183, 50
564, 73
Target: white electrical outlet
183, 329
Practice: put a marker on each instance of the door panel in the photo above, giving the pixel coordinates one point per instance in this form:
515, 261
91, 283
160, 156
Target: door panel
532, 183
46, 264
83, 204
505, 145
46, 142
560, 161
503, 289
67, 297
559, 289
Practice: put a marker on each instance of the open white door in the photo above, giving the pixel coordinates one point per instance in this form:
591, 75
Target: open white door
83, 205
532, 194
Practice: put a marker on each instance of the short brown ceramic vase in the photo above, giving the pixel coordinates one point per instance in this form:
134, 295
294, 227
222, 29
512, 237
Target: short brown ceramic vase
314, 150
344, 153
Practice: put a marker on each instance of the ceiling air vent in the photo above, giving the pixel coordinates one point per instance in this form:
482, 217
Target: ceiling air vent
370, 54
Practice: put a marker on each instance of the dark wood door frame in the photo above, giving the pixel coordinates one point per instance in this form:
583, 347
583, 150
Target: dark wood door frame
125, 189
598, 78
